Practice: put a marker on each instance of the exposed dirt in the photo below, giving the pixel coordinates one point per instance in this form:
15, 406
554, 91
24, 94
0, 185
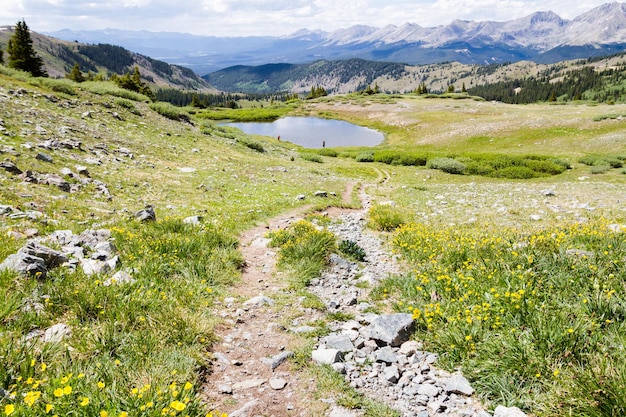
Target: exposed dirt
251, 334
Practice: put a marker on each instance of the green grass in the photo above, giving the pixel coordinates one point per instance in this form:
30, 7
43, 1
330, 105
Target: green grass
522, 316
247, 114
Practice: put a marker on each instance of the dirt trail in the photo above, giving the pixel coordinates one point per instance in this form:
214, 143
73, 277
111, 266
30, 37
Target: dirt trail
239, 383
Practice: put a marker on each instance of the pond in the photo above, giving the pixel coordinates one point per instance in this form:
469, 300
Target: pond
313, 132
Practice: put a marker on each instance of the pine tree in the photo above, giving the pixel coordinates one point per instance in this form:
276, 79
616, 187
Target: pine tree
1, 57
22, 55
75, 74
463, 89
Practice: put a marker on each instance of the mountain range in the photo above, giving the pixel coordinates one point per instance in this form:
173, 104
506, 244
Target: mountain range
543, 37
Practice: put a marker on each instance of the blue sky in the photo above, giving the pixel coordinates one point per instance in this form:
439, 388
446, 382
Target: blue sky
268, 17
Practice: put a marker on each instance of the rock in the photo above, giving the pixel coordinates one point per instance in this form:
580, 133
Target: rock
341, 342
323, 194
224, 389
51, 257
391, 374
410, 348
277, 360
458, 384
56, 333
392, 329
338, 411
327, 356
249, 383
579, 253
187, 169
534, 217
277, 383
303, 329
146, 215
615, 228
548, 193
44, 157
25, 264
195, 220
300, 197
386, 355
245, 410
94, 266
10, 167
430, 390
258, 301
59, 182
82, 170
4, 209
119, 278
502, 411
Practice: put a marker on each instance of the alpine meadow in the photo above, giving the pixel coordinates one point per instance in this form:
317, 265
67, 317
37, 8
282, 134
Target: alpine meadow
157, 262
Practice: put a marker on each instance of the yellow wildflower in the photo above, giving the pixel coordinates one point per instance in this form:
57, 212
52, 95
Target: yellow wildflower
9, 409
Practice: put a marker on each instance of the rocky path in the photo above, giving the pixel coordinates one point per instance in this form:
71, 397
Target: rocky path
252, 375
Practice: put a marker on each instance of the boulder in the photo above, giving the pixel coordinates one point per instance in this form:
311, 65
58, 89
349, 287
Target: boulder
392, 329
502, 411
458, 384
146, 215
25, 264
327, 356
52, 258
341, 342
10, 167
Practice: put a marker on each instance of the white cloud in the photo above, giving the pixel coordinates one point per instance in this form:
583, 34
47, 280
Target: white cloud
268, 17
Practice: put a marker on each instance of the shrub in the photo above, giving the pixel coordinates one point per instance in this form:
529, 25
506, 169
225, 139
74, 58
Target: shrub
311, 157
252, 144
515, 173
327, 152
600, 169
352, 250
104, 88
386, 218
61, 85
127, 104
392, 157
545, 167
449, 165
365, 157
170, 111
477, 168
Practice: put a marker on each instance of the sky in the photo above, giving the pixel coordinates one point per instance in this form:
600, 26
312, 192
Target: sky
268, 17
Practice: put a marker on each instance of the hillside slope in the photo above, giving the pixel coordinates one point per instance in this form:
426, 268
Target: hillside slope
60, 56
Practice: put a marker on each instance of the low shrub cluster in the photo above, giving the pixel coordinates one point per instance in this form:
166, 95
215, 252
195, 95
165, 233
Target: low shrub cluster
311, 157
601, 164
104, 88
170, 111
386, 218
394, 157
352, 250
58, 85
535, 319
449, 165
251, 143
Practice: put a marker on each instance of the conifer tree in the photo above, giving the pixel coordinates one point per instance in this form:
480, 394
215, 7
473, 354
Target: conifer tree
1, 57
75, 74
22, 55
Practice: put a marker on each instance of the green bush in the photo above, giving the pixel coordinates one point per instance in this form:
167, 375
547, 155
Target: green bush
477, 168
352, 250
515, 173
327, 152
170, 111
311, 157
546, 167
61, 85
393, 157
104, 88
386, 218
449, 165
365, 157
252, 144
600, 169
127, 104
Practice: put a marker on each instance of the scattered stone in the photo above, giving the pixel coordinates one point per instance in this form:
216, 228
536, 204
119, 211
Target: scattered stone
249, 383
340, 342
146, 215
615, 228
458, 384
195, 220
82, 170
56, 333
245, 410
534, 217
44, 157
225, 389
277, 383
277, 360
392, 329
322, 194
300, 197
119, 278
10, 167
327, 356
52, 258
94, 266
187, 169
25, 264
338, 411
56, 180
502, 411
258, 301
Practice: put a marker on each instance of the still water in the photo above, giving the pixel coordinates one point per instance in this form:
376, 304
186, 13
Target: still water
313, 132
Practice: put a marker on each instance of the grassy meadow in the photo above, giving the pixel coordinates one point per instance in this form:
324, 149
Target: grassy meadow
518, 281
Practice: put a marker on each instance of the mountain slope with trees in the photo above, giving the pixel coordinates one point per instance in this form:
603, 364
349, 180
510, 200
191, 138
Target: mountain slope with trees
59, 57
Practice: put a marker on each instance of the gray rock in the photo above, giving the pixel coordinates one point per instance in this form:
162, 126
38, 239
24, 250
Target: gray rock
119, 278
224, 389
277, 383
458, 384
338, 411
10, 167
502, 411
94, 266
245, 410
327, 356
258, 301
300, 197
391, 374
303, 329
57, 181
321, 194
249, 383
44, 157
25, 264
4, 209
340, 342
386, 355
51, 257
82, 170
146, 215
56, 333
195, 220
277, 360
410, 348
392, 329
430, 390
